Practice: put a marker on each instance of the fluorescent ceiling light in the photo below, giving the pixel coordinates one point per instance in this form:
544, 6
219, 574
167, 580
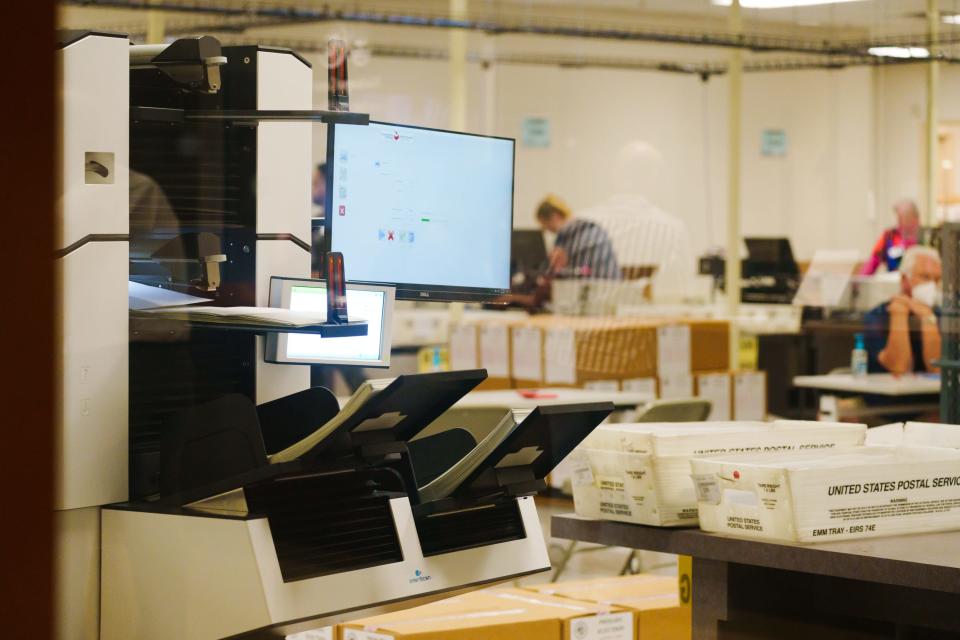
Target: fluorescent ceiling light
899, 52
779, 4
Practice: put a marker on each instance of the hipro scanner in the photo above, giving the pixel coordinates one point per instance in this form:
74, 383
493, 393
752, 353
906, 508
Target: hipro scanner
188, 167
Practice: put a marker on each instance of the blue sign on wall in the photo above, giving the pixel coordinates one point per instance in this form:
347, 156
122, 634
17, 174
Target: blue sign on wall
535, 132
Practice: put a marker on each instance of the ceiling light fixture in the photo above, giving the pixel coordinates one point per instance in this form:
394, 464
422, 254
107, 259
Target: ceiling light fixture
951, 18
779, 4
899, 52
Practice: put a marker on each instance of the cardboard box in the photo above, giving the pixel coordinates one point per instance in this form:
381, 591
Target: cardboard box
554, 350
717, 387
640, 473
820, 496
581, 349
654, 600
709, 345
324, 633
502, 614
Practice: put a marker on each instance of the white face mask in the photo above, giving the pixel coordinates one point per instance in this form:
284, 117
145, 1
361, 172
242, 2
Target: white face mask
928, 293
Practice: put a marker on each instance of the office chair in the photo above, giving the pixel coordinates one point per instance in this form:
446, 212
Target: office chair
684, 410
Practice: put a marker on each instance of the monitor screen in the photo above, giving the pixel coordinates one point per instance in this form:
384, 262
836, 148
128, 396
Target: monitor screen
528, 250
428, 210
371, 303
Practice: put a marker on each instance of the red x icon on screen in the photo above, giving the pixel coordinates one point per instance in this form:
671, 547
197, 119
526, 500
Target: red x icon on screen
343, 210
389, 235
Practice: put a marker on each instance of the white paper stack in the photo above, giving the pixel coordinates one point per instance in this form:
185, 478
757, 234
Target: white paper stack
830, 495
640, 473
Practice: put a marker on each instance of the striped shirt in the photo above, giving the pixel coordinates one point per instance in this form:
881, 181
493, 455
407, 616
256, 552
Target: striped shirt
589, 251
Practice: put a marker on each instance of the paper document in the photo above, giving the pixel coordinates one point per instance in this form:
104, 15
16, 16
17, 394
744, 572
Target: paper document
495, 350
253, 316
451, 480
527, 353
827, 278
715, 387
143, 296
673, 350
560, 356
463, 347
750, 395
360, 397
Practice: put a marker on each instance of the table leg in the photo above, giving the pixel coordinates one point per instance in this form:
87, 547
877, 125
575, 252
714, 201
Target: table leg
709, 597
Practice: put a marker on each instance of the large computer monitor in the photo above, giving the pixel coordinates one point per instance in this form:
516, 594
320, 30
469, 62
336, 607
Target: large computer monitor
430, 211
368, 302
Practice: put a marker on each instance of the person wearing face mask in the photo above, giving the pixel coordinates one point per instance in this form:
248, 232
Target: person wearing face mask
895, 241
904, 335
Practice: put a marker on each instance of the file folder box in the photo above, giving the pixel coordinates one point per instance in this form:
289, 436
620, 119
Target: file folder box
640, 473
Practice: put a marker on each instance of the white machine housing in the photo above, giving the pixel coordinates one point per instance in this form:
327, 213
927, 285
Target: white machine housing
170, 576
91, 262
178, 575
92, 257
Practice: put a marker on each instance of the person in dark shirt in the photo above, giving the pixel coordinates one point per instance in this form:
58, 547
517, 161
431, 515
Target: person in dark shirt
904, 335
582, 248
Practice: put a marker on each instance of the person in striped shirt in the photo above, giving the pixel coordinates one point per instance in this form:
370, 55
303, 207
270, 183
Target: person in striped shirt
582, 248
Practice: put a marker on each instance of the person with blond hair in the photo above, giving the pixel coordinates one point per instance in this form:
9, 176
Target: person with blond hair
582, 248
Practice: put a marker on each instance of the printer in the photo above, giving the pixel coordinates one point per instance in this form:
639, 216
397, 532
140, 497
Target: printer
181, 511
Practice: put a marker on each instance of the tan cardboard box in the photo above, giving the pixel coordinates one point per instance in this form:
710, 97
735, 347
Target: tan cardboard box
502, 614
577, 349
555, 350
655, 601
709, 345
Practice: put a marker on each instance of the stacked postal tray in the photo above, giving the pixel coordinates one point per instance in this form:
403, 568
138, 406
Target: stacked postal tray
907, 487
640, 473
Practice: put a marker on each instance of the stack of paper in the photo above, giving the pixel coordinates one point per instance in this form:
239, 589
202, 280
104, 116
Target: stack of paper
641, 472
360, 397
830, 495
252, 316
444, 485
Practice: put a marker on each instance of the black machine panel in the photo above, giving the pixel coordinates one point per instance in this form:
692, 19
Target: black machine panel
192, 196
330, 523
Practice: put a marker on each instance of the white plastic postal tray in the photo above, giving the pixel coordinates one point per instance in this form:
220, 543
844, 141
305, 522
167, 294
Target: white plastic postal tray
823, 496
640, 473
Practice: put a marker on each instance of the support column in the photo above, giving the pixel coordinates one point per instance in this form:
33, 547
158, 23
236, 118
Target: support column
732, 273
156, 27
933, 119
458, 68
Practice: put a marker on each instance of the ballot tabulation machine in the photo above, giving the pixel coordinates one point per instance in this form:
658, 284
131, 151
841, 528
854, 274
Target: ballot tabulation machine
204, 491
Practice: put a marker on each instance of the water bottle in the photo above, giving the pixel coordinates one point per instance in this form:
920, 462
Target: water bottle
858, 358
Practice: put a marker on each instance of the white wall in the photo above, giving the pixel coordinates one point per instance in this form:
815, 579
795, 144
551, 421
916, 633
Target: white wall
901, 117
819, 194
854, 136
